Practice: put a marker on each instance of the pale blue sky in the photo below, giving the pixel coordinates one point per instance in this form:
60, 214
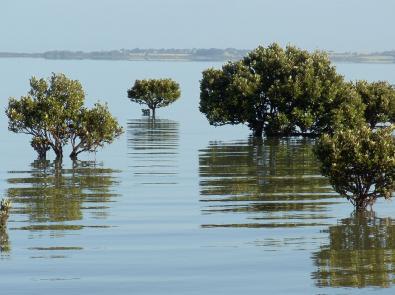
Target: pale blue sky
341, 25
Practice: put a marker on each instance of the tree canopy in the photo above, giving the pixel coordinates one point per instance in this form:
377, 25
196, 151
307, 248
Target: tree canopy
360, 163
281, 92
53, 112
155, 93
379, 99
92, 129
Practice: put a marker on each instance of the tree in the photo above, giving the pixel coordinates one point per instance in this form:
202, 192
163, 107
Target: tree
24, 116
46, 112
360, 163
93, 128
155, 93
41, 146
280, 92
379, 98
53, 112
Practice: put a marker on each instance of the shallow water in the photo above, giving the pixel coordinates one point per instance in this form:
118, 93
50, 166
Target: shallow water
176, 206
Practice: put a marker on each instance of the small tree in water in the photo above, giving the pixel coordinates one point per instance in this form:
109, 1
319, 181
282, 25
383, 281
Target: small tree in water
53, 113
360, 163
93, 128
155, 93
46, 112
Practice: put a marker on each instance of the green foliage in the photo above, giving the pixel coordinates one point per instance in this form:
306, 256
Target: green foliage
360, 163
40, 145
51, 110
24, 116
227, 95
280, 91
155, 93
93, 128
5, 206
379, 98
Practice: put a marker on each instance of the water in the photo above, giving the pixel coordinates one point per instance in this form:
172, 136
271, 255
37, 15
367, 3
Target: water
359, 253
271, 183
177, 206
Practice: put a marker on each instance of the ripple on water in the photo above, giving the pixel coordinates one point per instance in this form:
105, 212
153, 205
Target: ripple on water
271, 183
51, 201
360, 252
153, 148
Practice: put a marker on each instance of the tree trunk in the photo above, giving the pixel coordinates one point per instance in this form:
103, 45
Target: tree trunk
360, 205
362, 202
59, 153
153, 113
41, 147
73, 155
257, 130
42, 155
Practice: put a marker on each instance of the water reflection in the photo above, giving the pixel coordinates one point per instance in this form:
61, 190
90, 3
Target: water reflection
50, 198
360, 253
154, 150
263, 183
4, 239
5, 246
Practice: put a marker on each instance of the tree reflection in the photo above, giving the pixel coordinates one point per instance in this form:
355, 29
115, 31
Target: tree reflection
5, 246
274, 182
4, 215
154, 148
50, 193
360, 253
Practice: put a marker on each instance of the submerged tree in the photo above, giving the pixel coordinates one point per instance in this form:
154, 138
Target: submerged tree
360, 163
93, 128
280, 92
51, 110
155, 93
41, 146
24, 117
46, 112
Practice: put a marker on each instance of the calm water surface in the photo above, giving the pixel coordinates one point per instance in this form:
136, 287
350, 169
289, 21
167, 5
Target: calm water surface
179, 207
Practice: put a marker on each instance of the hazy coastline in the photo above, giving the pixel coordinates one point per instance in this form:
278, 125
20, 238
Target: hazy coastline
211, 54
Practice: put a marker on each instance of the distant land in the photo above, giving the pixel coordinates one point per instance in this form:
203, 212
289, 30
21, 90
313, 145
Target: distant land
212, 54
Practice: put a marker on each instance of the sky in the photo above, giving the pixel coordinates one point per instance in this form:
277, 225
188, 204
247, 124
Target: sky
338, 25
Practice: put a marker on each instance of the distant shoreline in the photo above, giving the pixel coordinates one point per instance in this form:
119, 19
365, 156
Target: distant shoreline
202, 55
